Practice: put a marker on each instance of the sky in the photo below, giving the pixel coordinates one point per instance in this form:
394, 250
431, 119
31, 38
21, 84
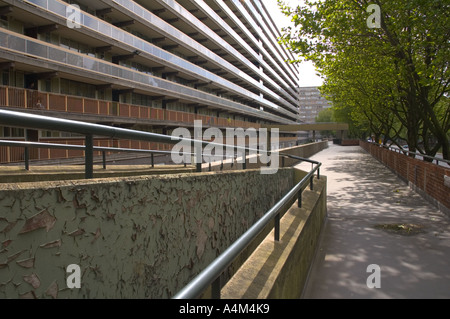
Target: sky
307, 75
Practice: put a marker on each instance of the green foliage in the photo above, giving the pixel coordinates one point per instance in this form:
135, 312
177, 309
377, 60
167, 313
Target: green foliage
326, 116
392, 81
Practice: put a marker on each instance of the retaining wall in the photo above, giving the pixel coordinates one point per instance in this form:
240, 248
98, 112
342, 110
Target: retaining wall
279, 269
132, 237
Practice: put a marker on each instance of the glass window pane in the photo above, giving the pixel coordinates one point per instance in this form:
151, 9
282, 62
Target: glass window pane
127, 74
40, 3
57, 55
116, 71
90, 22
104, 68
57, 7
36, 49
15, 43
74, 60
117, 34
104, 28
90, 64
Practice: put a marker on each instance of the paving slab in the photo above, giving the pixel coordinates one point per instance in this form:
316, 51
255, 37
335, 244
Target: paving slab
374, 218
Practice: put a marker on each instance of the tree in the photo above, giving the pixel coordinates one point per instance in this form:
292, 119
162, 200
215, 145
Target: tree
394, 77
326, 116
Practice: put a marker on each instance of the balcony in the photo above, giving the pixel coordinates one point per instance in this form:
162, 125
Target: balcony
94, 110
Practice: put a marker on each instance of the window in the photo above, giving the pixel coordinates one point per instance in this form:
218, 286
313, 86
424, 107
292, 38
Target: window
5, 78
13, 132
4, 22
141, 99
70, 87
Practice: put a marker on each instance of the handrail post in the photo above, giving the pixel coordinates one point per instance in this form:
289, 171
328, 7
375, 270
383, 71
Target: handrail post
276, 230
152, 159
104, 159
89, 156
26, 153
198, 154
269, 146
299, 203
215, 289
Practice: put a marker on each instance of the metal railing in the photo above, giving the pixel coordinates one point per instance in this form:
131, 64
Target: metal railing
103, 150
34, 121
210, 275
408, 152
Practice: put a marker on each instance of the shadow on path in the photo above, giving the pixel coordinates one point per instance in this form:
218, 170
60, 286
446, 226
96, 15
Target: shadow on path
374, 218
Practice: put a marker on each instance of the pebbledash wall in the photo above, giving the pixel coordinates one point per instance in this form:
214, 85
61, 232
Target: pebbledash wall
430, 180
132, 237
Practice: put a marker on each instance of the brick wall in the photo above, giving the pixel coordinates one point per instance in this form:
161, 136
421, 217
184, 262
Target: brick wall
427, 178
349, 142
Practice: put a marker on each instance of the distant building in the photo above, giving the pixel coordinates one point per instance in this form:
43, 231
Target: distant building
311, 102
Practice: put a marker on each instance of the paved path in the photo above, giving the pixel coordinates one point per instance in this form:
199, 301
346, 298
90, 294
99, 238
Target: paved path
363, 196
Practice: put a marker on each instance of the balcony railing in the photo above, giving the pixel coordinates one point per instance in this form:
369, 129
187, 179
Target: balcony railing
32, 99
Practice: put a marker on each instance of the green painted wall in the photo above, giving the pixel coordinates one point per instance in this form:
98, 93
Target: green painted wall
133, 237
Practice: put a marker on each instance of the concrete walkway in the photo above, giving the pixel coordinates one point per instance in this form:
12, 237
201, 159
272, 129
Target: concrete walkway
367, 204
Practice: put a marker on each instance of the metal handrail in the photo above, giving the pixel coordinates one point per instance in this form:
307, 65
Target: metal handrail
79, 147
103, 149
28, 120
35, 121
211, 274
33, 144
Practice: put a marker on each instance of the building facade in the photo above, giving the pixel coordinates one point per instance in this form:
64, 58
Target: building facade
148, 65
311, 103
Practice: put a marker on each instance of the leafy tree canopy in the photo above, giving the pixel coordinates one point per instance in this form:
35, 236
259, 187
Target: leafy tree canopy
384, 64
